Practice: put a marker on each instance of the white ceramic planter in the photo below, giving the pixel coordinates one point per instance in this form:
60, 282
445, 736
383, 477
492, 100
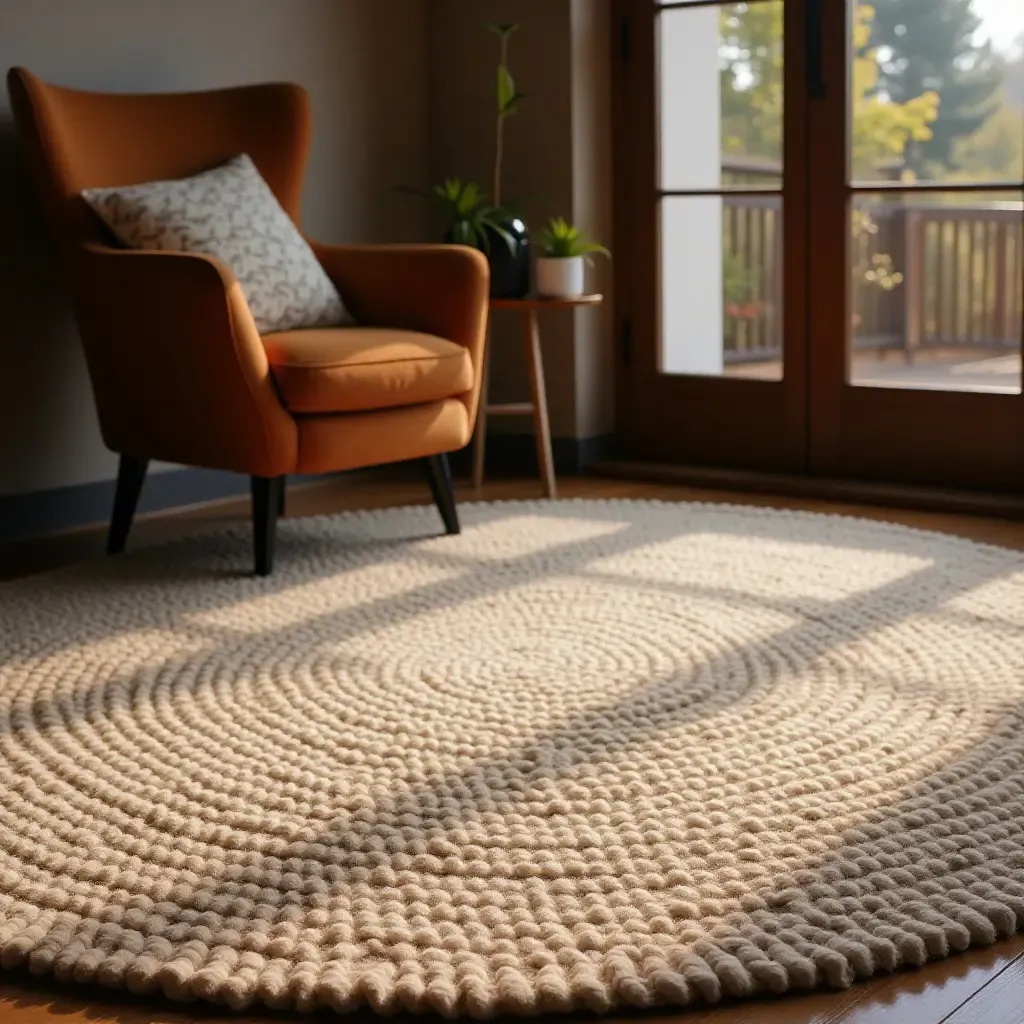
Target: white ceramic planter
560, 278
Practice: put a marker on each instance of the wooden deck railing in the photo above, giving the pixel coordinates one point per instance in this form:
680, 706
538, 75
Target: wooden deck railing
753, 254
962, 266
963, 274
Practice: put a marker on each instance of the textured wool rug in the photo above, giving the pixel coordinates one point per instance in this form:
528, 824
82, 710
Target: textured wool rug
586, 755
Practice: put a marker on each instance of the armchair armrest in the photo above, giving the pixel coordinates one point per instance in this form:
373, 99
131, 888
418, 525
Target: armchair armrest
177, 365
437, 289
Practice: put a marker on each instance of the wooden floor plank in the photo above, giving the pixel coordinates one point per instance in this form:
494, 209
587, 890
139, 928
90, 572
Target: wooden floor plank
387, 488
819, 1008
979, 987
1001, 1001
930, 995
923, 996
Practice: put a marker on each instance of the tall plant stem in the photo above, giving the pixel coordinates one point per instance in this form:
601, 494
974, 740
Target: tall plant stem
498, 147
499, 135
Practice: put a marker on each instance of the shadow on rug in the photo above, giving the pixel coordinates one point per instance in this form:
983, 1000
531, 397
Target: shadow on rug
587, 755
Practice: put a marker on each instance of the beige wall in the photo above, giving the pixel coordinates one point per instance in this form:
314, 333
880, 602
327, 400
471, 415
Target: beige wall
364, 64
557, 162
592, 207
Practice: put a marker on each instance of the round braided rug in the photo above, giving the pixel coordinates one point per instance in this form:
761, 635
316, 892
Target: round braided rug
586, 755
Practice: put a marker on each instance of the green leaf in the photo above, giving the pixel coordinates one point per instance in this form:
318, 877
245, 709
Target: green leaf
562, 240
512, 106
469, 199
506, 89
468, 215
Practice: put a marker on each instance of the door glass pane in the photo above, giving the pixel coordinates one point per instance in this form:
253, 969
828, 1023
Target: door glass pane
720, 96
938, 290
721, 285
937, 91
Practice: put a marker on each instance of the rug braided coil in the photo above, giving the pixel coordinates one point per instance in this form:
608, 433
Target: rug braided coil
585, 755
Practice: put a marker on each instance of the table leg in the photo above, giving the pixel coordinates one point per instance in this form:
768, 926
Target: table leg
540, 403
480, 443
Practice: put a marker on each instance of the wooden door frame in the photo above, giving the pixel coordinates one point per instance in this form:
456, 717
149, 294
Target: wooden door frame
831, 428
669, 430
875, 433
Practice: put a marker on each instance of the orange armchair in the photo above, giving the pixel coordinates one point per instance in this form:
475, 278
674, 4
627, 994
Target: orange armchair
178, 369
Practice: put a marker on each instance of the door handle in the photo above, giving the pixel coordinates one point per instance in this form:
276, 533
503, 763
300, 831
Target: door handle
816, 84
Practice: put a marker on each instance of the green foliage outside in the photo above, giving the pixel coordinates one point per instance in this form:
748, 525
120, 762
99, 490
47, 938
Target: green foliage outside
740, 287
995, 151
932, 45
927, 101
752, 97
751, 70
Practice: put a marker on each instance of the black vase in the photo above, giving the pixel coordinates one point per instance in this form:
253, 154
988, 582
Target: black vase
510, 265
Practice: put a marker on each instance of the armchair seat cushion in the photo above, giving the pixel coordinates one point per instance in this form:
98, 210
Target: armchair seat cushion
355, 369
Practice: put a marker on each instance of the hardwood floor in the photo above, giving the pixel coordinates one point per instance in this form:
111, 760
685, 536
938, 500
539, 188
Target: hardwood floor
979, 987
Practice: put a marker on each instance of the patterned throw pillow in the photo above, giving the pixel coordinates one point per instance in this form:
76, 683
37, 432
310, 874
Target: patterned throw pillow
230, 213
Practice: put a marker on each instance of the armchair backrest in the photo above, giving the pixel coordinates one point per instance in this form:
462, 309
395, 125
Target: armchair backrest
76, 140
178, 369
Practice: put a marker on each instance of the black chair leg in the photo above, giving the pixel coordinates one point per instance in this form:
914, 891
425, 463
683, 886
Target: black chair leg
130, 474
439, 476
266, 504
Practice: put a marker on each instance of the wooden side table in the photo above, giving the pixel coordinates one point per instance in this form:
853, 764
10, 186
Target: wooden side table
529, 307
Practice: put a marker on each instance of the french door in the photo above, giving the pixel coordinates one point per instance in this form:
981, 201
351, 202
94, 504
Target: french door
821, 256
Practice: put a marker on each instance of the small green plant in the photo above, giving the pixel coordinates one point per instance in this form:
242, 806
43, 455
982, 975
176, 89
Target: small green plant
471, 218
560, 241
467, 213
